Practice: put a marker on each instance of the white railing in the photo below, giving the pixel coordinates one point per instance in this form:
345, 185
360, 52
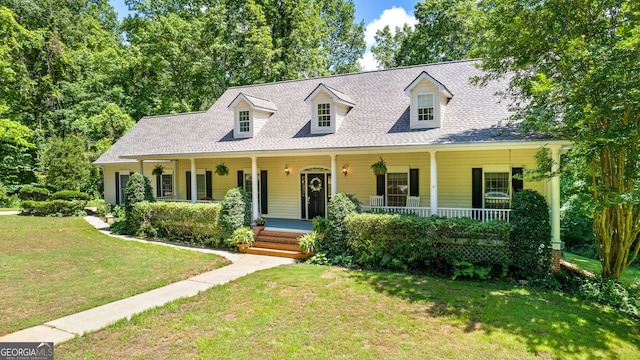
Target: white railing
480, 214
172, 199
420, 211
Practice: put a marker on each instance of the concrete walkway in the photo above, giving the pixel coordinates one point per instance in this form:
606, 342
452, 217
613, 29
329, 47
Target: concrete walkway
100, 317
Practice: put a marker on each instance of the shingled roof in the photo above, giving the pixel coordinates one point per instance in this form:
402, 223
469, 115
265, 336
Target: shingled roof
379, 118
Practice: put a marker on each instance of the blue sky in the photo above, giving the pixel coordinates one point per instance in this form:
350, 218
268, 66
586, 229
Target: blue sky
375, 13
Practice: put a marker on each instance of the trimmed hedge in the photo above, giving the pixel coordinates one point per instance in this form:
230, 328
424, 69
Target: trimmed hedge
194, 223
339, 208
70, 195
409, 242
30, 192
138, 189
53, 208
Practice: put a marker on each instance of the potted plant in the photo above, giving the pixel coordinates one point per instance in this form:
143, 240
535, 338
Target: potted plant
157, 170
259, 226
380, 167
243, 238
222, 169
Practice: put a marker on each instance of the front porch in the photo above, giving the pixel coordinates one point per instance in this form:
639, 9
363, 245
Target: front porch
479, 214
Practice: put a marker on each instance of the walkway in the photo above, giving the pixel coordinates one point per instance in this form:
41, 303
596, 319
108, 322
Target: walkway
68, 327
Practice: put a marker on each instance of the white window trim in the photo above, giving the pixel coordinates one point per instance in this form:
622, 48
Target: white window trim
249, 120
496, 169
395, 170
331, 121
433, 107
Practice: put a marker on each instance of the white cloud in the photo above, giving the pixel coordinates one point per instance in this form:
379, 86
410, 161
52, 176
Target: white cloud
394, 17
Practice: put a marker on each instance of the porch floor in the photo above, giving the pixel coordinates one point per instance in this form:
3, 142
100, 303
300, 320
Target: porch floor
288, 225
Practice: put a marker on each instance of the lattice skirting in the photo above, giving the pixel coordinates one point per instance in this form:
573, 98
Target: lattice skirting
475, 252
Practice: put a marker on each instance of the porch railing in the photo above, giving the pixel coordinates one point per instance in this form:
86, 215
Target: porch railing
480, 214
420, 211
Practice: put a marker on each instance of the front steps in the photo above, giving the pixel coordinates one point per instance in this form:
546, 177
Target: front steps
277, 243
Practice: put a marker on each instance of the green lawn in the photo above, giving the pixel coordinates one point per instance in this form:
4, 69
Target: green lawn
595, 267
52, 267
314, 312
9, 209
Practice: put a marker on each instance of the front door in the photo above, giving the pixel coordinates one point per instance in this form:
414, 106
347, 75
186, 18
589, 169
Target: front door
316, 190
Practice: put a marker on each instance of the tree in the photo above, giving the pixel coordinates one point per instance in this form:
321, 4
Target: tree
66, 166
444, 32
16, 153
138, 189
573, 72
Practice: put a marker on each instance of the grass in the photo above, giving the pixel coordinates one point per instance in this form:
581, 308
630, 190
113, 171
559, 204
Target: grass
594, 266
10, 209
52, 267
315, 312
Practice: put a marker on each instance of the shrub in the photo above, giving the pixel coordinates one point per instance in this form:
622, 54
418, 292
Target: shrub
340, 207
194, 223
138, 189
241, 236
6, 200
235, 212
309, 242
53, 208
119, 227
103, 209
409, 242
70, 195
319, 224
530, 235
35, 193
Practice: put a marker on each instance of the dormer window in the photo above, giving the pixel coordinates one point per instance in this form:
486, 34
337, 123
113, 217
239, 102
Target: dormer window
328, 108
243, 121
429, 99
250, 114
425, 107
324, 115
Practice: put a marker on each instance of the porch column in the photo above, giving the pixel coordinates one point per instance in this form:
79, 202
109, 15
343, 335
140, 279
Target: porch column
555, 199
176, 180
433, 195
194, 181
140, 166
254, 189
334, 175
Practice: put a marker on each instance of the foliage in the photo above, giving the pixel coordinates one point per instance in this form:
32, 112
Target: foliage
572, 68
235, 212
379, 167
260, 221
413, 243
339, 208
138, 189
5, 199
119, 227
196, 224
319, 258
309, 242
157, 170
70, 195
66, 164
468, 270
17, 158
319, 224
53, 208
443, 32
241, 236
530, 235
222, 169
31, 192
610, 293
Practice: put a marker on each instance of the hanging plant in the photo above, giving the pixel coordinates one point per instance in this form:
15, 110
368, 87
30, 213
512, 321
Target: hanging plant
380, 167
222, 169
158, 170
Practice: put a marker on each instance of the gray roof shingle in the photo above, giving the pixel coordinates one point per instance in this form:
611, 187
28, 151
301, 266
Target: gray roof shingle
379, 118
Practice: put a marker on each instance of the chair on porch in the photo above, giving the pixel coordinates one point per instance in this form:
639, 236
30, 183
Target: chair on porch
376, 200
413, 201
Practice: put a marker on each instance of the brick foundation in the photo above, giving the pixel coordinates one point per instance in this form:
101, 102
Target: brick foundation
555, 260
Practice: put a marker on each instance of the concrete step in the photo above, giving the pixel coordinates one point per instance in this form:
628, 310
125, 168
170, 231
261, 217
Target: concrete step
276, 245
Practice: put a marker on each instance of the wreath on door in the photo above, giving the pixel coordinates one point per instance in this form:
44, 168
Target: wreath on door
315, 184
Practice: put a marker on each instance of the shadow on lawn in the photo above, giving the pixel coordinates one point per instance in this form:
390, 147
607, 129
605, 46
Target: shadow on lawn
540, 318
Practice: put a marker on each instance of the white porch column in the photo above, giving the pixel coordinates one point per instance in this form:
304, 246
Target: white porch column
194, 181
140, 166
176, 180
254, 188
433, 195
334, 175
555, 199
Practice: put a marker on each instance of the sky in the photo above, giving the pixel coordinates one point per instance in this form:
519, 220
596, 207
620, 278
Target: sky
375, 13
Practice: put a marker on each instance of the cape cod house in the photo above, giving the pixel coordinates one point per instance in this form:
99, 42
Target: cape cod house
293, 144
